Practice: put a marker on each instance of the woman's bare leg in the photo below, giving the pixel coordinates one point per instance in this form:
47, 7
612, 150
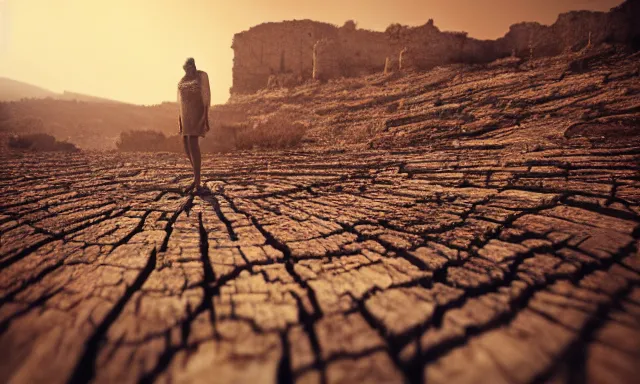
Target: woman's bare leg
187, 151
185, 142
194, 149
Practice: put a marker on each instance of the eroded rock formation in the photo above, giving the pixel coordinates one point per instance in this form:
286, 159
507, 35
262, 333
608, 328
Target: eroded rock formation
295, 47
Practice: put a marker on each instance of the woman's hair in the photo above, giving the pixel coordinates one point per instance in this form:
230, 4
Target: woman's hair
191, 61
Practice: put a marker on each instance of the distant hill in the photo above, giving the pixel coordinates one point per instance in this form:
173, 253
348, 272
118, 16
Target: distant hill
66, 95
88, 124
13, 90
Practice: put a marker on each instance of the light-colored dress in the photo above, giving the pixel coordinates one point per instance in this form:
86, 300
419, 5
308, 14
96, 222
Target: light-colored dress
194, 99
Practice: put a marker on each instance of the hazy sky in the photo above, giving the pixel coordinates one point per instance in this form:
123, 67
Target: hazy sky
133, 50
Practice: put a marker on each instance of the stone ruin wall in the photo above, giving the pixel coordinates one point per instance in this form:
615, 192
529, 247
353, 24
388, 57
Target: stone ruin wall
287, 53
575, 30
275, 48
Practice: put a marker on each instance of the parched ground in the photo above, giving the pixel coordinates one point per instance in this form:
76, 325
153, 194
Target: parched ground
503, 252
463, 265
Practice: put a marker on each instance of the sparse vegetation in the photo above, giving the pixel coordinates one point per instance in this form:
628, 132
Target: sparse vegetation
40, 142
278, 131
154, 141
101, 125
90, 125
145, 141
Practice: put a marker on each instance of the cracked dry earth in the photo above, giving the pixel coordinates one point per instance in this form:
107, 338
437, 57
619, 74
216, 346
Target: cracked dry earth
461, 265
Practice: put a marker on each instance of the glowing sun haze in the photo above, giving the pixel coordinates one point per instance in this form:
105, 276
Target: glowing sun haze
133, 50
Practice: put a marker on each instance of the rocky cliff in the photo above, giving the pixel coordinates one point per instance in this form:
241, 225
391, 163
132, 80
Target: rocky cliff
290, 52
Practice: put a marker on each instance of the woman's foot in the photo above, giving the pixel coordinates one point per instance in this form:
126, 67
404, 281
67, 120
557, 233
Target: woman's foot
200, 190
190, 188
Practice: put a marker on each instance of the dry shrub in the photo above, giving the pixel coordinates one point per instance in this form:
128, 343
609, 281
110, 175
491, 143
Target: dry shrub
353, 84
280, 130
144, 141
40, 142
153, 141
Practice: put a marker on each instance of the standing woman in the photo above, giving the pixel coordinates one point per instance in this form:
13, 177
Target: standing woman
194, 99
